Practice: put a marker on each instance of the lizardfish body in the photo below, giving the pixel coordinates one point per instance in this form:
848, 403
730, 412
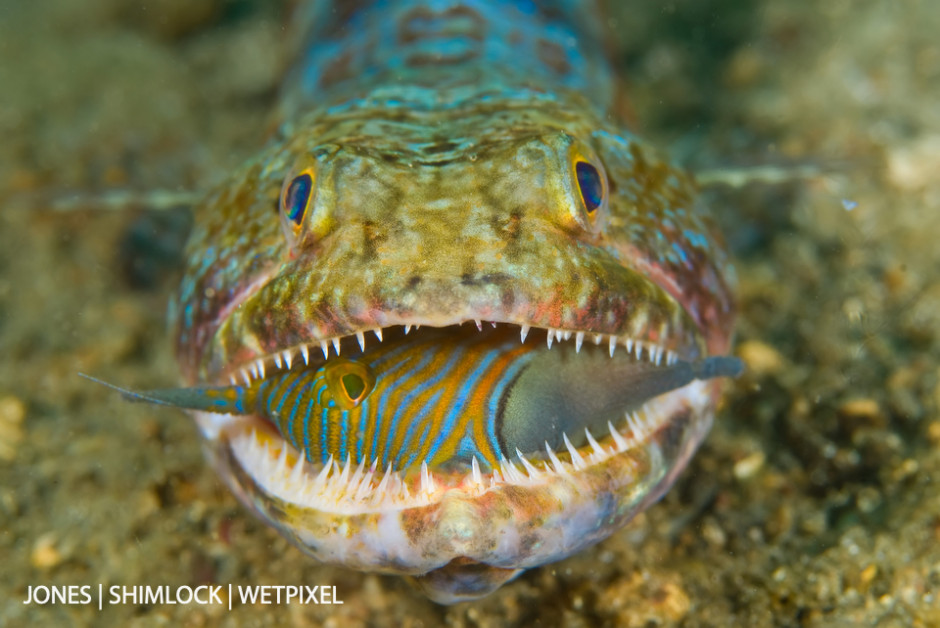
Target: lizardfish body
454, 320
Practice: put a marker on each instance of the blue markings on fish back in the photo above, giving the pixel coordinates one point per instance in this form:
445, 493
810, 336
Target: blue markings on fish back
383, 404
470, 383
426, 411
381, 51
287, 385
308, 418
303, 394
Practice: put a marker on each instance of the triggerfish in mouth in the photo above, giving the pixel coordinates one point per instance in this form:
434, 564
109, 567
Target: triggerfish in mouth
454, 399
454, 321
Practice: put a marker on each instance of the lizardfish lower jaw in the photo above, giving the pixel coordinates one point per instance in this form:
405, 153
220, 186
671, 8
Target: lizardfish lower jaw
532, 505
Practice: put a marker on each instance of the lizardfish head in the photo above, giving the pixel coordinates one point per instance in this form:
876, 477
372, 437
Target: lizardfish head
538, 225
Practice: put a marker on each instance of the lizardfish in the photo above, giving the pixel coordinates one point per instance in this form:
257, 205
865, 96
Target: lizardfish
454, 320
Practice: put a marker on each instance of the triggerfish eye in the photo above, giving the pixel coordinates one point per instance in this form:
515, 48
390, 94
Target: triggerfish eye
297, 197
589, 182
349, 382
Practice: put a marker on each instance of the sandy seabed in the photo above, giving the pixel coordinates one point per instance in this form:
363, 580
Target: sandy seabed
815, 499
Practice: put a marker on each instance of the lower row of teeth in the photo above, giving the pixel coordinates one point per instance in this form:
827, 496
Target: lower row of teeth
363, 485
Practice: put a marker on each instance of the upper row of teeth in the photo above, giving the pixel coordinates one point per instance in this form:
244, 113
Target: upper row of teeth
285, 359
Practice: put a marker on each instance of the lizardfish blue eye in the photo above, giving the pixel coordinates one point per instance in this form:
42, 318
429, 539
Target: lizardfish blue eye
589, 181
297, 197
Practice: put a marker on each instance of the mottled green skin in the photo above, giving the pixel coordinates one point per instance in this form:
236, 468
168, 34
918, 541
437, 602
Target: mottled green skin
438, 217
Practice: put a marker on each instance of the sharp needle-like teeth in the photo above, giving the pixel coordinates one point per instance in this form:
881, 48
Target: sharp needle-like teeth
325, 348
427, 482
282, 460
578, 339
628, 344
321, 476
559, 466
636, 425
534, 473
288, 358
361, 337
407, 329
342, 482
496, 478
231, 378
246, 377
336, 345
356, 478
619, 440
510, 471
378, 334
576, 458
254, 370
297, 474
475, 472
261, 368
598, 338
599, 452
478, 324
305, 353
277, 360
550, 338
383, 485
523, 332
365, 486
613, 345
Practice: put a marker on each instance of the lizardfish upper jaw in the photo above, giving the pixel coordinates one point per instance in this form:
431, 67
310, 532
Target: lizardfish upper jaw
317, 351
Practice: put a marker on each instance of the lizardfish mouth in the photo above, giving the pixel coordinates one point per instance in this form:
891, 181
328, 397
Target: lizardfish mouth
400, 418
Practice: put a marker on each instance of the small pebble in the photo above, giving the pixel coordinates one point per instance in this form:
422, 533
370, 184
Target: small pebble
905, 470
780, 522
12, 410
862, 411
748, 466
12, 413
914, 166
868, 499
936, 390
933, 432
45, 555
761, 359
713, 534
